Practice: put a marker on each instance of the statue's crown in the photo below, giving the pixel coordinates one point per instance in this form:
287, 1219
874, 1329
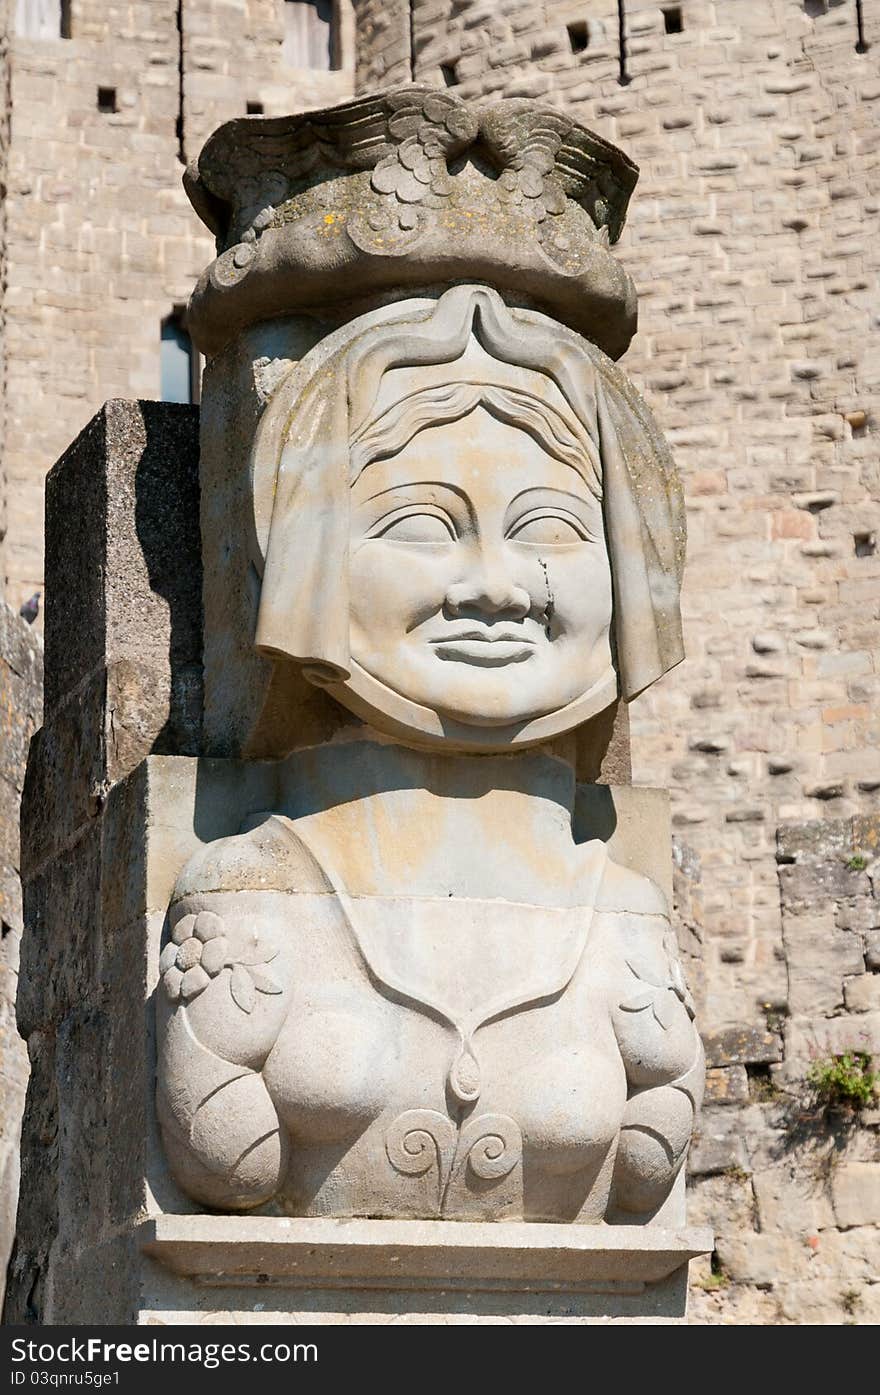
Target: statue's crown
407, 192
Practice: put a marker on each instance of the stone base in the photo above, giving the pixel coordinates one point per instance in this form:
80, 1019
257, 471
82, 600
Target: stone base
370, 1271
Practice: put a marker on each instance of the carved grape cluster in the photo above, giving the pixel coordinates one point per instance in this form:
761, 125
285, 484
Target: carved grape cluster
198, 952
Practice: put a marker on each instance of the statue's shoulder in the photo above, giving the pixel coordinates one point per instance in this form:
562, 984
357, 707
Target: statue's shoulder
629, 893
267, 856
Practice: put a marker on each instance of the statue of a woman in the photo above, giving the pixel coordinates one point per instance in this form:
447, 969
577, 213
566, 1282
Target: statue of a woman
416, 987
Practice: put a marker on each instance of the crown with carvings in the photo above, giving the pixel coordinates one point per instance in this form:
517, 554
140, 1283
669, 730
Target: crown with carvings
330, 213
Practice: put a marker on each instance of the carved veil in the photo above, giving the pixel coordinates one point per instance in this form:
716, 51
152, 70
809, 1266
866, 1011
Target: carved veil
301, 472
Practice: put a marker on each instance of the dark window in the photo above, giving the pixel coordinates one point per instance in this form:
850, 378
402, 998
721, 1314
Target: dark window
179, 364
447, 72
254, 108
578, 35
672, 20
309, 40
106, 99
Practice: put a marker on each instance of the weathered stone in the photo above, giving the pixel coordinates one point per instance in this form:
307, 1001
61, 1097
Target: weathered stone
818, 957
862, 993
731, 1046
129, 587
824, 840
855, 1193
805, 884
728, 1085
792, 1200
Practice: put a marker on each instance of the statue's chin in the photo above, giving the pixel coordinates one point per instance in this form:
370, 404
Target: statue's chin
457, 726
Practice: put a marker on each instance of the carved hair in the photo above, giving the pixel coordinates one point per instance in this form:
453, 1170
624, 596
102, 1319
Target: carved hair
396, 426
371, 390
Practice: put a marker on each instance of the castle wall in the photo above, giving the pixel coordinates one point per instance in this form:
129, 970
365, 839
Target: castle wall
749, 238
752, 239
102, 244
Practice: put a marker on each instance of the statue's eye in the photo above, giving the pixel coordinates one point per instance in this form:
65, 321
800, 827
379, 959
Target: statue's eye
416, 526
547, 528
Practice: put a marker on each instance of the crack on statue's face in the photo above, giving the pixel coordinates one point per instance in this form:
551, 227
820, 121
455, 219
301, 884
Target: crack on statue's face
480, 579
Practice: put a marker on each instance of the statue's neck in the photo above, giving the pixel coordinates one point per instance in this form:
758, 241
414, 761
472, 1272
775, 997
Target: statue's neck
396, 821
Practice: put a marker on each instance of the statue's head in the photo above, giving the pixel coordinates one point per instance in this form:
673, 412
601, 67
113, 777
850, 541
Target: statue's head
469, 529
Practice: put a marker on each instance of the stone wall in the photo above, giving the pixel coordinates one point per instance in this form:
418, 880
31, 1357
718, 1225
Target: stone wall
752, 239
20, 707
791, 1186
101, 242
4, 155
123, 666
756, 129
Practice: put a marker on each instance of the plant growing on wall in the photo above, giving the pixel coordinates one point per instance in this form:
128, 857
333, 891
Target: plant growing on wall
846, 1082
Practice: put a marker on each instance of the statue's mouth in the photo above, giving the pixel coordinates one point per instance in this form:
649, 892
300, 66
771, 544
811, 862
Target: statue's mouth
483, 648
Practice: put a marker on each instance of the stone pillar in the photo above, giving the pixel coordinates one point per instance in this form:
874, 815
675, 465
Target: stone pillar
123, 678
389, 940
21, 659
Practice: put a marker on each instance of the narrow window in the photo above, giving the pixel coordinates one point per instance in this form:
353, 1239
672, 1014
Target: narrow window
308, 34
254, 108
107, 99
578, 35
447, 72
672, 20
42, 19
179, 365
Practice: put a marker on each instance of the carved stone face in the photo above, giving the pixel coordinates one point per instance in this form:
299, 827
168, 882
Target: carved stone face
480, 577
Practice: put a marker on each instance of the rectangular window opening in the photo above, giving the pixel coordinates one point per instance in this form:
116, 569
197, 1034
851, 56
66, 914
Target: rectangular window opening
255, 108
65, 31
865, 544
447, 72
672, 20
578, 35
180, 365
107, 99
310, 35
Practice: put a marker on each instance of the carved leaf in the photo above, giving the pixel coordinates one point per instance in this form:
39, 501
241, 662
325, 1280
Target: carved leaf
264, 982
242, 989
264, 959
636, 1004
647, 975
664, 1009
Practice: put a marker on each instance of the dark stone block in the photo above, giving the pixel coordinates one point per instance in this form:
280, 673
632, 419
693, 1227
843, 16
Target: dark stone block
38, 1190
806, 885
61, 966
732, 1046
821, 839
123, 562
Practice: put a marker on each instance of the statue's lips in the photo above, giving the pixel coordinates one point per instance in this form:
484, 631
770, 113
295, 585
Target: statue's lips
475, 647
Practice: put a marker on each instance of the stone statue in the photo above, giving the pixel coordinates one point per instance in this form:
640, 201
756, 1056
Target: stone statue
417, 986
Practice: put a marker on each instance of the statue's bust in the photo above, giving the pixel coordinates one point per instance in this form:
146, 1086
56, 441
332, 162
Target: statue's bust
414, 987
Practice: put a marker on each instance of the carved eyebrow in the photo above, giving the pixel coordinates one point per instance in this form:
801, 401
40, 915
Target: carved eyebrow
413, 493
420, 485
546, 495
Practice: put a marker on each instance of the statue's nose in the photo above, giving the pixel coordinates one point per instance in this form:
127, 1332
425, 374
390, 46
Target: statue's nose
490, 587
